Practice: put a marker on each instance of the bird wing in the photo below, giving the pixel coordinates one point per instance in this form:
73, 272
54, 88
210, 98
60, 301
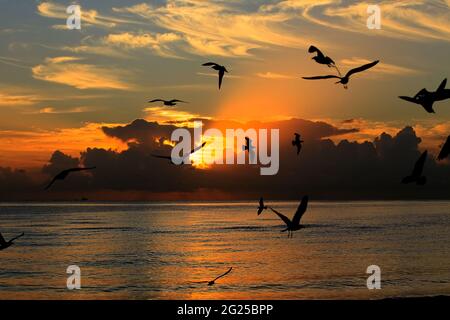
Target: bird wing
445, 151
15, 238
209, 64
442, 85
316, 50
223, 275
2, 240
198, 148
161, 157
261, 202
221, 74
282, 217
409, 99
321, 77
300, 210
362, 68
156, 100
176, 100
50, 184
418, 167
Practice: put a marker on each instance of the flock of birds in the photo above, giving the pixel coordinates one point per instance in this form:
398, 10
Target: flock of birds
424, 98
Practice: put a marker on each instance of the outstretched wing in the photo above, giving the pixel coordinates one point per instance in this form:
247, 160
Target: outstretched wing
442, 85
313, 49
161, 157
445, 151
198, 148
209, 64
282, 217
418, 167
156, 100
221, 74
223, 275
2, 240
322, 77
300, 210
409, 99
15, 238
261, 202
362, 68
51, 183
176, 100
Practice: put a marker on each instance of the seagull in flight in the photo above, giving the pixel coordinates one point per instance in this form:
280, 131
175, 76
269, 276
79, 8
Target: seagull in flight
426, 98
294, 225
261, 207
416, 176
219, 68
322, 59
182, 160
251, 149
168, 103
297, 142
4, 244
213, 282
345, 79
63, 174
445, 151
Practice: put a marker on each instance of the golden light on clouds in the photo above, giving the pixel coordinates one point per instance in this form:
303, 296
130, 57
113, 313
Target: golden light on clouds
64, 70
27, 149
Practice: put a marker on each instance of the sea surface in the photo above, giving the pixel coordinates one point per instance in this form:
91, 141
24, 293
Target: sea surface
159, 250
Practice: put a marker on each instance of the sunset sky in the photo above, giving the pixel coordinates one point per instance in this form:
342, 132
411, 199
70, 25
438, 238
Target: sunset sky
58, 87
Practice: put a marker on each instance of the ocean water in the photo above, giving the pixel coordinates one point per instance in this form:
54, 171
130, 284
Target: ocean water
158, 251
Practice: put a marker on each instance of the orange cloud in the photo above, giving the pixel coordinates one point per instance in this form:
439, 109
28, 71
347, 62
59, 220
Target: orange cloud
64, 70
29, 149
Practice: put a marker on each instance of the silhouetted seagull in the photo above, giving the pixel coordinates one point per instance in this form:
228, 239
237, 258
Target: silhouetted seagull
416, 175
250, 148
219, 68
63, 174
297, 142
180, 160
320, 57
426, 98
168, 103
213, 282
294, 225
445, 151
261, 207
4, 244
345, 79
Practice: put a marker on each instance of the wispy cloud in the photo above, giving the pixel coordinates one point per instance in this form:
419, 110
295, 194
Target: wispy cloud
89, 17
67, 70
415, 20
274, 76
218, 28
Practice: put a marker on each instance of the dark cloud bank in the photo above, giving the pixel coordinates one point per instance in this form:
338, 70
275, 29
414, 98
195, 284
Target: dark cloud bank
324, 170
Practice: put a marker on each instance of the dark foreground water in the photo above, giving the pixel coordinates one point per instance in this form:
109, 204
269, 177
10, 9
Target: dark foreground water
157, 251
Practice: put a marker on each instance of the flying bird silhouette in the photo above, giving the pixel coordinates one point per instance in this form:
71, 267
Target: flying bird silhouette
297, 142
445, 151
168, 103
181, 160
63, 174
345, 79
426, 98
416, 176
219, 68
213, 282
322, 59
4, 244
251, 149
294, 225
261, 207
